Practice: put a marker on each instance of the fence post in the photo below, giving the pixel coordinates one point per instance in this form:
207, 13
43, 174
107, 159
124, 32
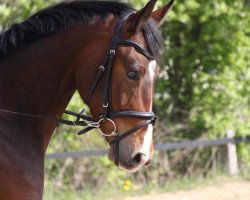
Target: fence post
232, 154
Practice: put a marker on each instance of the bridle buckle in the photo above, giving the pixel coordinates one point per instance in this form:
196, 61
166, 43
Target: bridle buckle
102, 68
93, 124
154, 120
105, 106
112, 52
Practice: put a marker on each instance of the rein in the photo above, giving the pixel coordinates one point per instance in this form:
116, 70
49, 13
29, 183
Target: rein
108, 113
81, 120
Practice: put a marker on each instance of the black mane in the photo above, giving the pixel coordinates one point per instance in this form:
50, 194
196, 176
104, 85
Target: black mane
69, 14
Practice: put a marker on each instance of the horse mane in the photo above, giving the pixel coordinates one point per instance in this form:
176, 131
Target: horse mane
69, 14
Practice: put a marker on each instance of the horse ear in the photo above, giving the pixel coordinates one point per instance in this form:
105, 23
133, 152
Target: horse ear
160, 14
137, 20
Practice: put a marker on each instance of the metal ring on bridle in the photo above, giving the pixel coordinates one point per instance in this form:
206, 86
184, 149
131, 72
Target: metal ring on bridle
113, 133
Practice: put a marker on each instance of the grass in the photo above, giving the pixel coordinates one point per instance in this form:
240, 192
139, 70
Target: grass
105, 193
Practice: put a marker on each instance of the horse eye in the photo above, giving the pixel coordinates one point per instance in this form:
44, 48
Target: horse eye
133, 75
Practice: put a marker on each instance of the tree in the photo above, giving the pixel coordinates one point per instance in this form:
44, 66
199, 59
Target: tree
207, 64
13, 11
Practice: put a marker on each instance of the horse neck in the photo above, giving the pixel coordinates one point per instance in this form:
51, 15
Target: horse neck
40, 79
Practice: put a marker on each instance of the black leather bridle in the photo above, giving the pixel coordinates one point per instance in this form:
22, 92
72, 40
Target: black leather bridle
108, 113
106, 69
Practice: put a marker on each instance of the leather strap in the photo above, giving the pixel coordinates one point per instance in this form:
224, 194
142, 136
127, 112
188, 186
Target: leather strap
131, 114
137, 46
85, 130
95, 82
72, 123
125, 134
80, 115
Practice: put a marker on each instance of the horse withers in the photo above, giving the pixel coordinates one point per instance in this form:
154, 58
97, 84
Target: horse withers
105, 50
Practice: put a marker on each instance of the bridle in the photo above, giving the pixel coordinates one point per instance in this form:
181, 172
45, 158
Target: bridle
108, 113
106, 69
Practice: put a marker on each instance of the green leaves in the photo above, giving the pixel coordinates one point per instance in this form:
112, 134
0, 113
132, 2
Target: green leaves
207, 50
13, 11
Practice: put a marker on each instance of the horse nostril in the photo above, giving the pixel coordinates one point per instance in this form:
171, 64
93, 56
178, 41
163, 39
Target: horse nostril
137, 159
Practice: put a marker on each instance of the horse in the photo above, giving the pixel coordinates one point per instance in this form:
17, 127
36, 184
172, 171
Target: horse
106, 51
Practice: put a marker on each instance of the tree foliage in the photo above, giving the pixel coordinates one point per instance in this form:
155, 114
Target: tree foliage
12, 11
205, 82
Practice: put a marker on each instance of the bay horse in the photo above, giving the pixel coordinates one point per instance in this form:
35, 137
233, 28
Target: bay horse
106, 51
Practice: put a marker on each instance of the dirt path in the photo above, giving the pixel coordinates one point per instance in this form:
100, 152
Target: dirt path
235, 190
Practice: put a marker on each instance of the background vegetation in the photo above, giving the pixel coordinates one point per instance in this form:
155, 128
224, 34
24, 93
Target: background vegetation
202, 91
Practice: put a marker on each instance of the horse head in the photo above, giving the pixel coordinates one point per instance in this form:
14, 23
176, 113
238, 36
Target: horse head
121, 94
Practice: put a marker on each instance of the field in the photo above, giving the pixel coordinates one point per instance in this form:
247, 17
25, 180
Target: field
215, 188
233, 190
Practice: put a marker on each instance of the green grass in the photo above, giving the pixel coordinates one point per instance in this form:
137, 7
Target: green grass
105, 193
